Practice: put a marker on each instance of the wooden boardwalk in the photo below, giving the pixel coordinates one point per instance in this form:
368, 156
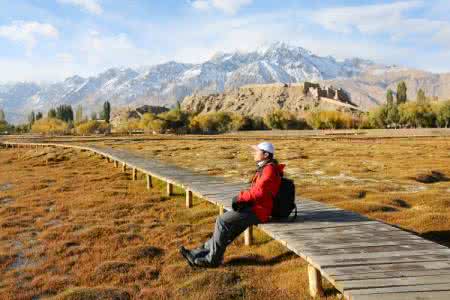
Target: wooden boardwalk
362, 258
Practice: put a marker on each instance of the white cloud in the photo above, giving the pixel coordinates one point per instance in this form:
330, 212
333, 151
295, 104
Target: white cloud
442, 36
200, 4
91, 6
391, 19
228, 6
365, 18
100, 51
65, 58
28, 33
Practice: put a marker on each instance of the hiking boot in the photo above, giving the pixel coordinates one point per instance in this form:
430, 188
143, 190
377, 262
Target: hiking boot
204, 263
187, 255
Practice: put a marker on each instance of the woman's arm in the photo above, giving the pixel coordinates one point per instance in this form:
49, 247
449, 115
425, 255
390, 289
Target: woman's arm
261, 186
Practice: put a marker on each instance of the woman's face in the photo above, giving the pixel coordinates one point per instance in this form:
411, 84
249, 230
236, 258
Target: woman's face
259, 155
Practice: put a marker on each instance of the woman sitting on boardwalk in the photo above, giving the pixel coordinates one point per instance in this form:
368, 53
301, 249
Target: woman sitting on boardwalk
250, 207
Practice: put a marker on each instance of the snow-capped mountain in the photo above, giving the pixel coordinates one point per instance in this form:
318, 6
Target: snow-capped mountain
167, 83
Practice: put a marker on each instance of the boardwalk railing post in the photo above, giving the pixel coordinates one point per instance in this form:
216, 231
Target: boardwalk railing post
124, 167
188, 198
169, 189
149, 181
116, 164
315, 281
134, 175
248, 236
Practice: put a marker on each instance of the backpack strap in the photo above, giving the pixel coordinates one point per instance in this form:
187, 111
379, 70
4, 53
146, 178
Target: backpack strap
295, 214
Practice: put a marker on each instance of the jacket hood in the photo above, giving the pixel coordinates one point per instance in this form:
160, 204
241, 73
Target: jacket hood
279, 167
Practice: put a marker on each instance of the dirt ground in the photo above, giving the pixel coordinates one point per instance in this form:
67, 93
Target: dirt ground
74, 227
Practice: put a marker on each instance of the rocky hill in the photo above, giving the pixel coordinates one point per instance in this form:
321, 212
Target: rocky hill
259, 99
164, 84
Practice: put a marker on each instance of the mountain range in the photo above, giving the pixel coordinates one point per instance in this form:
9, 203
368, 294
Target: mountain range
167, 83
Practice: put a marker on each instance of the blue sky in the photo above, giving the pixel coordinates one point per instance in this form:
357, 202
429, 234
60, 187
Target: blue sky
47, 40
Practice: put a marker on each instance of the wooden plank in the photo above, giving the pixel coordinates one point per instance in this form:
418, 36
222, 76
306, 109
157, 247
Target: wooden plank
348, 285
149, 181
169, 189
352, 256
433, 295
388, 267
315, 282
321, 225
348, 242
391, 274
189, 198
361, 249
411, 288
369, 228
378, 260
355, 236
248, 236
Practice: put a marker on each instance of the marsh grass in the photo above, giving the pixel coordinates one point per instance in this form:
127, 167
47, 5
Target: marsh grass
367, 176
78, 228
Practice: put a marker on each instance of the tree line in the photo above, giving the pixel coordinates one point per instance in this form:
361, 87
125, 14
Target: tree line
397, 112
402, 113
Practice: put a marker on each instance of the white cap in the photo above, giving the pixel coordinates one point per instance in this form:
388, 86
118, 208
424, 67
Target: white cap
265, 146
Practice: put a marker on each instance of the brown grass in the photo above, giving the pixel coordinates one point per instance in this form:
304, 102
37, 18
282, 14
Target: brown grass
74, 227
381, 178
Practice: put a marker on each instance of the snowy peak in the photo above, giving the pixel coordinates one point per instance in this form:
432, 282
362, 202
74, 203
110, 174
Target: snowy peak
166, 83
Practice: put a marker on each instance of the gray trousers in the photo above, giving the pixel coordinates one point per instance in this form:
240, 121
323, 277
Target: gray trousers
228, 227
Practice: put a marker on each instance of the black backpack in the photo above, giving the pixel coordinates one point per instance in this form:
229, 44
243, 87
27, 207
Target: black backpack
284, 201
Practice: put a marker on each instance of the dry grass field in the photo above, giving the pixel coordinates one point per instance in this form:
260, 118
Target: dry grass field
74, 227
385, 179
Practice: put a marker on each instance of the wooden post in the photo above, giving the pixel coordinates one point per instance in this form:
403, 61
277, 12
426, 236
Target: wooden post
116, 164
188, 198
221, 210
124, 167
248, 236
169, 189
134, 175
315, 281
149, 181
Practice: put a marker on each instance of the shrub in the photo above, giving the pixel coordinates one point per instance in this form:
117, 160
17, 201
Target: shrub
175, 119
240, 123
128, 125
442, 111
364, 121
413, 114
91, 127
50, 126
332, 120
213, 122
146, 122
280, 119
258, 123
5, 127
377, 117
159, 125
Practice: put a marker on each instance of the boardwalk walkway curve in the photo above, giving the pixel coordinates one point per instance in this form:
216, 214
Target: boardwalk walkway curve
362, 258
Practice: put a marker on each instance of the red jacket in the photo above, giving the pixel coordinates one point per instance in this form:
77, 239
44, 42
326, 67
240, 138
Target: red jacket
262, 190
